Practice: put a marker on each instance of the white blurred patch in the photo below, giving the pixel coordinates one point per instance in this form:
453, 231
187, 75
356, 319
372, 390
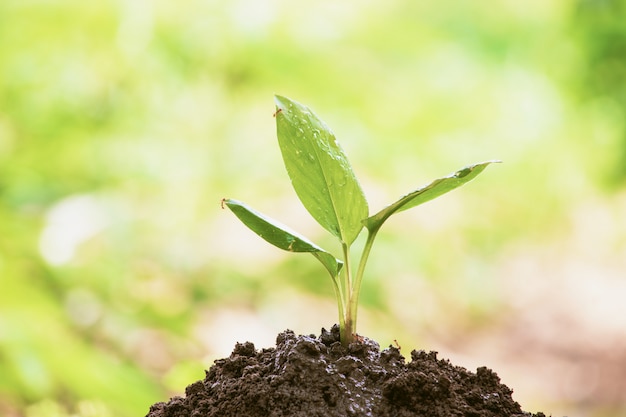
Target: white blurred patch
69, 223
252, 16
136, 26
83, 307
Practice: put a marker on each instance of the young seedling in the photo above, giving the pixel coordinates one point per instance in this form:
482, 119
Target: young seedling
327, 187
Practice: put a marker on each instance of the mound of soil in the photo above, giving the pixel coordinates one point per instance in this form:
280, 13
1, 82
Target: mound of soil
315, 376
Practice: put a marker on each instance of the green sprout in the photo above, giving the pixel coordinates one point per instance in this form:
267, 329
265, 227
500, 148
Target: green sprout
328, 188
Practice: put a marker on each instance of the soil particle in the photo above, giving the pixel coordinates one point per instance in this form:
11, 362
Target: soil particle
316, 376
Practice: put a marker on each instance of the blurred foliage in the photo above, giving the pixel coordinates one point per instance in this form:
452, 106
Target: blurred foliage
601, 33
123, 124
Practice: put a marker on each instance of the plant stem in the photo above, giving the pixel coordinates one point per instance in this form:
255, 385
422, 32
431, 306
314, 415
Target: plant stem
346, 328
347, 268
354, 291
340, 301
346, 331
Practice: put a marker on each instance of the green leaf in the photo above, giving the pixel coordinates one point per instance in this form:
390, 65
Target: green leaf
281, 236
319, 170
427, 193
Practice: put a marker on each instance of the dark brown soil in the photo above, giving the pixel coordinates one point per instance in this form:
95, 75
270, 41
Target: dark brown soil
315, 376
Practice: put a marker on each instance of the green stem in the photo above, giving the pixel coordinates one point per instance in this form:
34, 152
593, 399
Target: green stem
354, 293
347, 268
347, 332
346, 327
340, 301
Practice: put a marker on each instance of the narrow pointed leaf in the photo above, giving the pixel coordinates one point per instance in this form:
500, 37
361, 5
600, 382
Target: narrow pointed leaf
281, 236
319, 170
427, 193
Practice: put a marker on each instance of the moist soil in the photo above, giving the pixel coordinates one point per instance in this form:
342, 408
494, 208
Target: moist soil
316, 376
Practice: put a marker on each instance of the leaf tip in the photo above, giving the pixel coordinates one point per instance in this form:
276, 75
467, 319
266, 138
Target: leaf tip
281, 101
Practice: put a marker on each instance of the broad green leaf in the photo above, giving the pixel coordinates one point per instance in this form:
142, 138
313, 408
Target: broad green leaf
319, 170
281, 236
427, 193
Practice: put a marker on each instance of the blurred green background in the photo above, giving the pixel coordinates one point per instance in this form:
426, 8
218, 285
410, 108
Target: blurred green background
123, 124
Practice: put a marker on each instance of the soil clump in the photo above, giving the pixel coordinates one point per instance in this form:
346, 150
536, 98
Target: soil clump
317, 377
